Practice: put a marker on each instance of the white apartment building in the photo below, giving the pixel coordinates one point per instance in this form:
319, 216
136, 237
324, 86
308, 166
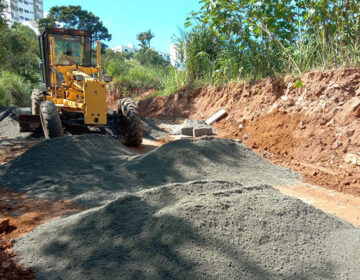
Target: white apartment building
24, 10
130, 48
164, 55
175, 57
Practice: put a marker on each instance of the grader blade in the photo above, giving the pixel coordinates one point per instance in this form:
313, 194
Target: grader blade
29, 123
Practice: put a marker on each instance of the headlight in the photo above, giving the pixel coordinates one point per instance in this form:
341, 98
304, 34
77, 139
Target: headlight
107, 79
78, 78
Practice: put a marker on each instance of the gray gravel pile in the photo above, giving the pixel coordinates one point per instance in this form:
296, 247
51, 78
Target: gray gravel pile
190, 209
151, 130
94, 169
196, 230
9, 123
175, 129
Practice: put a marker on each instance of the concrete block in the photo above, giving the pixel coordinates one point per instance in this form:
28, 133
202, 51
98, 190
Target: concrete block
187, 131
202, 131
185, 137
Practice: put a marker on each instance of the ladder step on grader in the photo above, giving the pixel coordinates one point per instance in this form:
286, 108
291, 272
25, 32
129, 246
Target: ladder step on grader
75, 92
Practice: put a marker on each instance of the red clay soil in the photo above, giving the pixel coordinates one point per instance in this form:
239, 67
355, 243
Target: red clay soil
308, 126
16, 149
19, 215
112, 98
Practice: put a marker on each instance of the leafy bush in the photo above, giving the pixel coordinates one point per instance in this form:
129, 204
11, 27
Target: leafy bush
271, 37
140, 77
14, 90
19, 52
149, 57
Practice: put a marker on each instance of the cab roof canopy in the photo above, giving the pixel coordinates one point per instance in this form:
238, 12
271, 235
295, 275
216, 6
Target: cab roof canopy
55, 30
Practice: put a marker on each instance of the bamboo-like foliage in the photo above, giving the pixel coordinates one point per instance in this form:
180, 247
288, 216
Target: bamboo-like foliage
259, 38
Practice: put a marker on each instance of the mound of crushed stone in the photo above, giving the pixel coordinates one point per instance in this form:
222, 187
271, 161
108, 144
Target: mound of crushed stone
9, 123
94, 169
151, 130
196, 230
176, 129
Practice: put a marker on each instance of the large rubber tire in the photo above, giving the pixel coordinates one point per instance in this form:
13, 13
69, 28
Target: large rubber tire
132, 125
37, 96
50, 120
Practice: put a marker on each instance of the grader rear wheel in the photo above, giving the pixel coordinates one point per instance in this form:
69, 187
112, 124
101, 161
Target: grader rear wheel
133, 128
50, 120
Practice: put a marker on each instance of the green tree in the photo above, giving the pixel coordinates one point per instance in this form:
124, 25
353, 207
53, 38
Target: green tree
273, 36
74, 17
149, 57
141, 38
148, 37
3, 7
145, 38
19, 52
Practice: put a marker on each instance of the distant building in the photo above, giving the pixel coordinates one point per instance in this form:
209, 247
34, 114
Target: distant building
33, 25
175, 59
130, 48
164, 55
24, 10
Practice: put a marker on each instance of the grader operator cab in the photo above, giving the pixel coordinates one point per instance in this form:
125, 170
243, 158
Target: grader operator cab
75, 89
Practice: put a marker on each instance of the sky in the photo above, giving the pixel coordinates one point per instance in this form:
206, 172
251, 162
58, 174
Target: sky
126, 18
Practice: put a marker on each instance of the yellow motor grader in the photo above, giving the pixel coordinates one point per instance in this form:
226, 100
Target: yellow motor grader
75, 89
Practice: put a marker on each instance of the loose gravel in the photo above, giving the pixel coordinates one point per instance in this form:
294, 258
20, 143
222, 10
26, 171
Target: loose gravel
190, 209
9, 123
94, 169
196, 230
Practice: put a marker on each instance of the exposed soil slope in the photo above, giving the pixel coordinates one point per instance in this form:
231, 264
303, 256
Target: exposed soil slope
309, 126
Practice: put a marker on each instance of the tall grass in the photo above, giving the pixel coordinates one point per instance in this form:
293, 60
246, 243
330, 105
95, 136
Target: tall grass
136, 77
323, 35
173, 81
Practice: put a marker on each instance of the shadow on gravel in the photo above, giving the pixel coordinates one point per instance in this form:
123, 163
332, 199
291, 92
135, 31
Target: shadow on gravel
128, 239
92, 168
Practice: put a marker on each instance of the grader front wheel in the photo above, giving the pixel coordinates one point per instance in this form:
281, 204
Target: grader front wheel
50, 120
37, 96
133, 128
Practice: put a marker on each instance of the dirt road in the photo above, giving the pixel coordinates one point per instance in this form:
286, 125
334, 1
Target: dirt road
187, 187
195, 209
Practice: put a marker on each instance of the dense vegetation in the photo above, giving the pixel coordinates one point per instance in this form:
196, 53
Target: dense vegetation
19, 64
223, 41
251, 39
74, 17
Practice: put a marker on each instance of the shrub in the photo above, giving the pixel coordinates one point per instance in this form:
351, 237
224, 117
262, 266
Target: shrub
173, 81
14, 90
149, 57
140, 77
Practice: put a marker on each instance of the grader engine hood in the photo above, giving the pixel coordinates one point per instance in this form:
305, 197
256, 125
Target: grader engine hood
95, 109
